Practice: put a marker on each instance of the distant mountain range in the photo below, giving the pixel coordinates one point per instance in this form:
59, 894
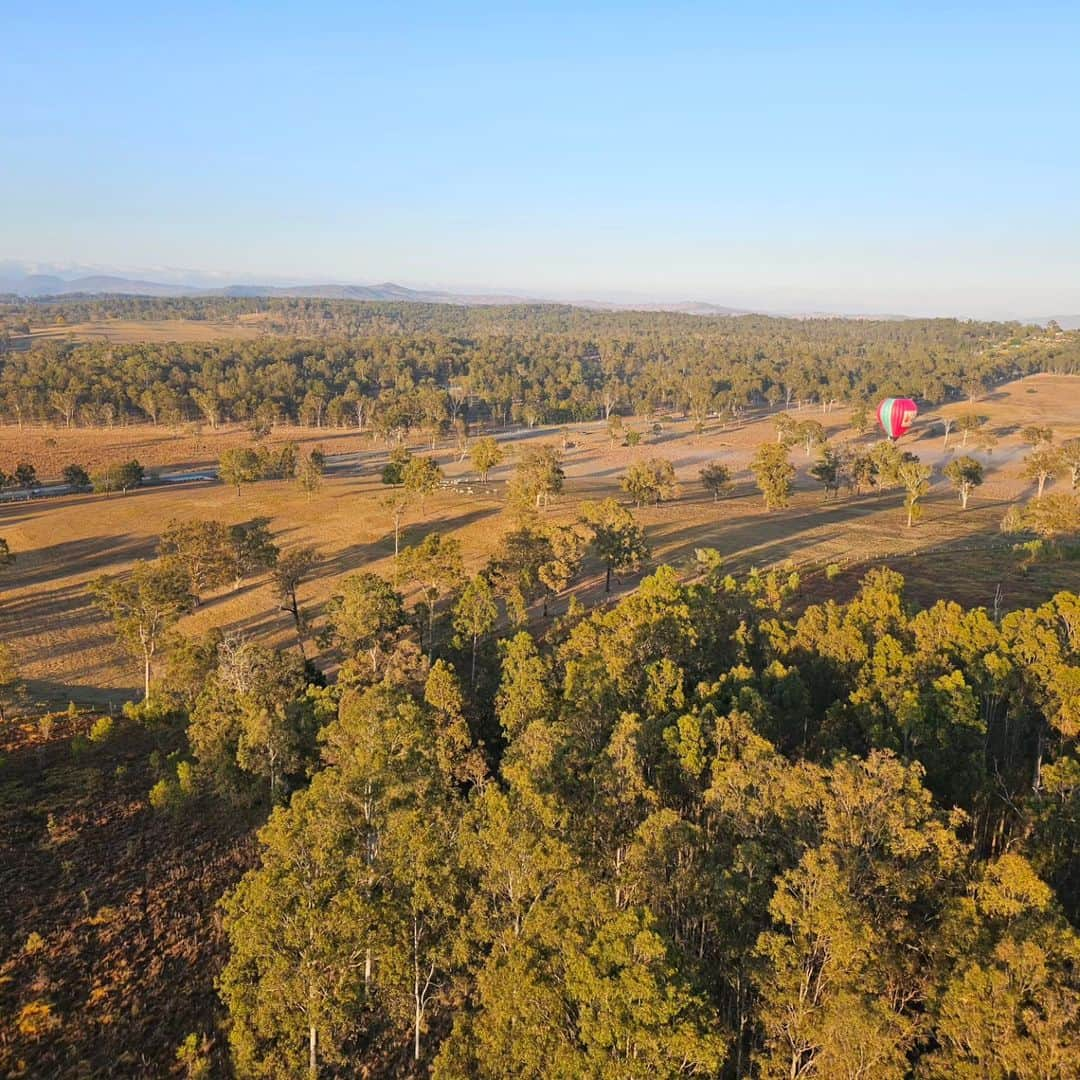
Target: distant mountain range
17, 280
38, 286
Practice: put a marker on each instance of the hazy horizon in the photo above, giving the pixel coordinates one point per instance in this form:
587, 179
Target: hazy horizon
907, 160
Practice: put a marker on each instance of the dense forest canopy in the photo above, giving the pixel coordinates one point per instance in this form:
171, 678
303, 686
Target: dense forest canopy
698, 833
399, 365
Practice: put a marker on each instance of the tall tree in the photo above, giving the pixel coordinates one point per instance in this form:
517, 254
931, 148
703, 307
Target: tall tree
144, 605
616, 537
774, 474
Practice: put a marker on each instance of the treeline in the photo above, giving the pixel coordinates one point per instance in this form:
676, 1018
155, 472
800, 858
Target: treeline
437, 365
707, 831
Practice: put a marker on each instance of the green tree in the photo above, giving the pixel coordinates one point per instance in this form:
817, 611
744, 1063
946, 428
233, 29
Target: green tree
1040, 465
420, 477
827, 470
239, 465
253, 719
650, 481
435, 567
485, 454
144, 606
394, 471
123, 477
290, 570
474, 615
76, 477
1070, 461
252, 547
915, 478
310, 472
716, 479
774, 474
365, 616
203, 549
539, 477
812, 434
616, 537
25, 476
1035, 435
293, 983
965, 474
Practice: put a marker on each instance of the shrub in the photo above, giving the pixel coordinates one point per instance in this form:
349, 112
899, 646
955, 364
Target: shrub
102, 729
34, 943
36, 1019
832, 572
165, 795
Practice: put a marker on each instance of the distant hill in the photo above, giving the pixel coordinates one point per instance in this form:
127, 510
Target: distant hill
40, 285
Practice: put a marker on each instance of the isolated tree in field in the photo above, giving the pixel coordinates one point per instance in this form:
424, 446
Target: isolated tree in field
969, 425
915, 478
291, 570
774, 474
616, 537
394, 470
364, 616
811, 434
239, 465
615, 430
1056, 516
395, 505
123, 477
716, 479
6, 555
1037, 435
435, 566
76, 477
11, 683
886, 458
965, 474
947, 424
144, 606
650, 481
861, 420
1070, 461
253, 548
827, 470
539, 477
203, 549
485, 454
284, 463
25, 476
1040, 465
474, 615
309, 473
787, 429
420, 477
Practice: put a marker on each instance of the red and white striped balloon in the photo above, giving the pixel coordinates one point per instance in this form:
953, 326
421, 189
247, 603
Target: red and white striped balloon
896, 415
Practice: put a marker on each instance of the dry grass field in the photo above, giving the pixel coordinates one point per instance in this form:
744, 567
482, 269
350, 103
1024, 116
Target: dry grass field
125, 331
177, 449
66, 649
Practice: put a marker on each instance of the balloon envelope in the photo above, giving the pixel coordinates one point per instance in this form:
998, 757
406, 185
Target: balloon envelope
896, 415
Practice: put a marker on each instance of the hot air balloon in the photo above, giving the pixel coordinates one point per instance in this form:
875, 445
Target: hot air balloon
896, 415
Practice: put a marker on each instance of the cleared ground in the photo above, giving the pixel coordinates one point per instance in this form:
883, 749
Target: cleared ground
67, 650
124, 331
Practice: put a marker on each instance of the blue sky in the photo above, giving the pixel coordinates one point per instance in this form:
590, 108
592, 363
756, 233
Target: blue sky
862, 157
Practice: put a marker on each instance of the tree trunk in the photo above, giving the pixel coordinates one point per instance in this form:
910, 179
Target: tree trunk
607, 583
313, 1057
